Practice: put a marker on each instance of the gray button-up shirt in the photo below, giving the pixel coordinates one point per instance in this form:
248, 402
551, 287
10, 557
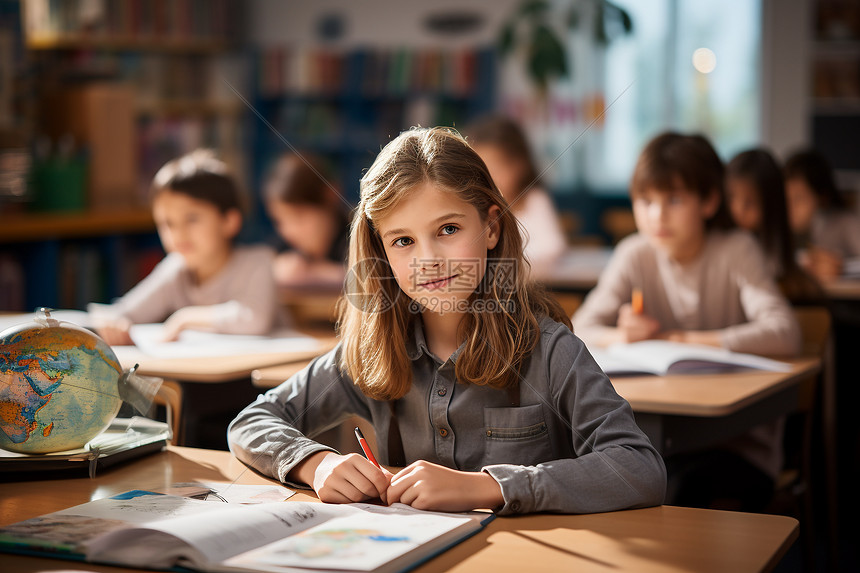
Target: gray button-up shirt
571, 446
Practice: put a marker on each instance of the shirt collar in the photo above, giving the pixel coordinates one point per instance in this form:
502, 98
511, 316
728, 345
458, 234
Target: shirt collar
417, 344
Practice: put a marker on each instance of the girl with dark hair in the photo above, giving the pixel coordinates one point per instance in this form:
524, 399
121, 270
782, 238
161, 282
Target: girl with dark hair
756, 197
826, 231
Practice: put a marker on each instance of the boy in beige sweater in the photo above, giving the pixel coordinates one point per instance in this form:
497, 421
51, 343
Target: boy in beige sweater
205, 282
701, 282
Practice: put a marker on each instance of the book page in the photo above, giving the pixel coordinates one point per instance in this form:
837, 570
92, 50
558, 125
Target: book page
202, 537
70, 530
365, 541
149, 339
663, 357
230, 492
145, 529
615, 363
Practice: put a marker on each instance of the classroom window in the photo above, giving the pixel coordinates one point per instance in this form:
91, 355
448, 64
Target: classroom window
646, 82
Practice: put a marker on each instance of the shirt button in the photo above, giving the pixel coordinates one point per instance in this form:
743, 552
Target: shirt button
442, 391
515, 505
443, 432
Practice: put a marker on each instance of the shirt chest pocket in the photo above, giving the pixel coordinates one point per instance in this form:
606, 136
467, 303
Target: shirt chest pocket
516, 436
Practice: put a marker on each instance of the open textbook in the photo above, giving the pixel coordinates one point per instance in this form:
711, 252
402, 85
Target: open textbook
662, 357
149, 338
155, 531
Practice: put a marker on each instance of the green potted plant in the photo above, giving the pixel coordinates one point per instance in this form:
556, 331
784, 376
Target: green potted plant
530, 28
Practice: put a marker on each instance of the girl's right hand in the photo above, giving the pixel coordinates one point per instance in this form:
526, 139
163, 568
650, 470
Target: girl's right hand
343, 479
634, 327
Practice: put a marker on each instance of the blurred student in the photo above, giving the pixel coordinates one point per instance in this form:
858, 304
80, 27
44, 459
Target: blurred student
700, 282
503, 146
205, 282
310, 216
826, 230
756, 198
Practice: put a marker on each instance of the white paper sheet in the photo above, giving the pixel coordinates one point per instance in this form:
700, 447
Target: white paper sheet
197, 344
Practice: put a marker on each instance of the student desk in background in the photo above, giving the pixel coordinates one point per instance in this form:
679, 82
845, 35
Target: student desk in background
644, 540
688, 412
209, 392
313, 304
577, 270
844, 289
680, 412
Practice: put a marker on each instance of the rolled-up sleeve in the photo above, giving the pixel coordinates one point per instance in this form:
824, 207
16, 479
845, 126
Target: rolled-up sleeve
274, 433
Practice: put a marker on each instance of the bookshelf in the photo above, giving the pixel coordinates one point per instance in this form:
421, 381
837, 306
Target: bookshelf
159, 64
835, 90
344, 106
70, 259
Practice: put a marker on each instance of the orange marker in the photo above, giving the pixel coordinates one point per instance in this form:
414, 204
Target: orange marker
636, 301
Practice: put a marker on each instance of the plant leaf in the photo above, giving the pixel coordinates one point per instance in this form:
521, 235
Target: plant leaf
626, 21
573, 19
600, 35
547, 58
506, 39
534, 8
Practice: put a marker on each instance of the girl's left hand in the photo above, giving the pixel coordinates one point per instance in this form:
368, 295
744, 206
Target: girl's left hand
428, 486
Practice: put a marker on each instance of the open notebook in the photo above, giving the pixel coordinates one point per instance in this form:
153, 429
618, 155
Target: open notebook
148, 338
198, 344
155, 531
662, 357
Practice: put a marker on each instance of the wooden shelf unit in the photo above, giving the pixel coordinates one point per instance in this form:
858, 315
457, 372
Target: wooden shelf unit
44, 226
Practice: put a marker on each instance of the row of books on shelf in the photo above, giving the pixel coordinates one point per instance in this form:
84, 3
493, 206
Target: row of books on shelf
326, 124
83, 274
179, 77
838, 78
161, 139
182, 21
284, 71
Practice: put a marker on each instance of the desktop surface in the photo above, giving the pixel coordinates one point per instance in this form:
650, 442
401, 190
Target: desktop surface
653, 539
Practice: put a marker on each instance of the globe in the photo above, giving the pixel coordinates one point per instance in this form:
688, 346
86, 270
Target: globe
58, 386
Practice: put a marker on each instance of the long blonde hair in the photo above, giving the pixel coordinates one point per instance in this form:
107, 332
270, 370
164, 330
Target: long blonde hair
376, 317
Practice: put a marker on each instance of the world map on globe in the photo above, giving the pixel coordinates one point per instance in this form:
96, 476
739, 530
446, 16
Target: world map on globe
58, 387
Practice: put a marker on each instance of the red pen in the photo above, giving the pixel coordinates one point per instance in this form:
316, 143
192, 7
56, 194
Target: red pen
364, 447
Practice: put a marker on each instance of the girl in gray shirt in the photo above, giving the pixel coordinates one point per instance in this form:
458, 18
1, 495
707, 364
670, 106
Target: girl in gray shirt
469, 375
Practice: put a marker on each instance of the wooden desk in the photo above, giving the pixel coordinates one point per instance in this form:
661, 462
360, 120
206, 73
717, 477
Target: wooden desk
688, 412
577, 270
312, 304
843, 289
681, 412
644, 540
212, 390
220, 368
